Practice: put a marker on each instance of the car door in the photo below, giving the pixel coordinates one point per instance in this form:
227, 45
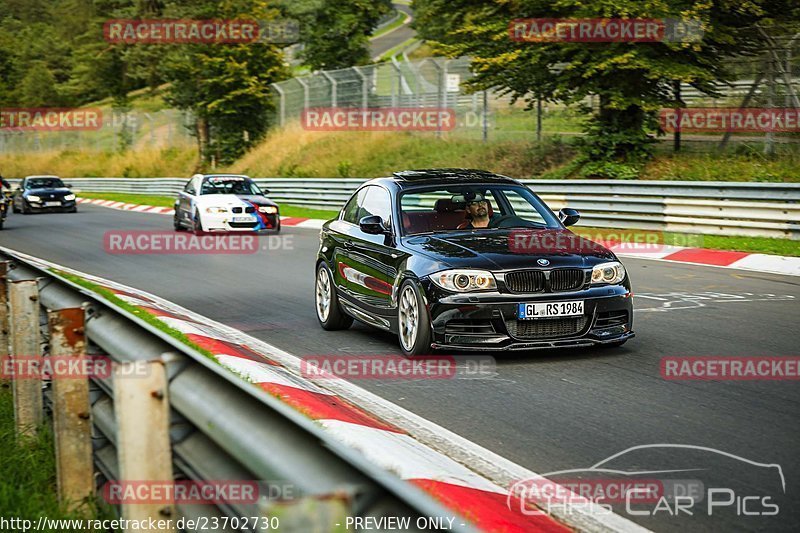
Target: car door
369, 263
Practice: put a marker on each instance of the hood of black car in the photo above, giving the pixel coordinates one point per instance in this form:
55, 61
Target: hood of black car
502, 249
58, 192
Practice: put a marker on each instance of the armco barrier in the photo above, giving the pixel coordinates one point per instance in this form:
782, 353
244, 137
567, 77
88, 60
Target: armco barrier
214, 425
722, 208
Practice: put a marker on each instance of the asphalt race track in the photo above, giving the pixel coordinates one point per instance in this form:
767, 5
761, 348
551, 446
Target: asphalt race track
547, 411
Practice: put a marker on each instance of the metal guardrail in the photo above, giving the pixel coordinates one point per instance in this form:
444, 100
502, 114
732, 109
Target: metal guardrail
722, 208
218, 426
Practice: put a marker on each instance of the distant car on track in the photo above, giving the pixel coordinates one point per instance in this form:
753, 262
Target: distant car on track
225, 202
42, 194
434, 256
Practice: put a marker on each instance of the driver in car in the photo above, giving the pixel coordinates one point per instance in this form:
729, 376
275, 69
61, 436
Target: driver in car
478, 211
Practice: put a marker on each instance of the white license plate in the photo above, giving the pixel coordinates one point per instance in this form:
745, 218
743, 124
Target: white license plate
52, 204
550, 309
243, 219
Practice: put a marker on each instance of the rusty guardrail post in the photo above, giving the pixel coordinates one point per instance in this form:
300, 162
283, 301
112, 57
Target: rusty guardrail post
27, 382
141, 408
72, 423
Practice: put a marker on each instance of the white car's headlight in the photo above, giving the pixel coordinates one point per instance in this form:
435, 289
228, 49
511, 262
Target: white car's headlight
608, 273
269, 209
216, 210
34, 198
69, 197
465, 280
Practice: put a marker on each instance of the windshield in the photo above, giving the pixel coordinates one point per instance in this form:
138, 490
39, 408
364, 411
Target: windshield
468, 207
43, 183
229, 185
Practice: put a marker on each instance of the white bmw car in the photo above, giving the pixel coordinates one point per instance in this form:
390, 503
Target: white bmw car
225, 202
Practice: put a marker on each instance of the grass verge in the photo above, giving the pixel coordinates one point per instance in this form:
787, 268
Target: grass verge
28, 467
762, 245
152, 320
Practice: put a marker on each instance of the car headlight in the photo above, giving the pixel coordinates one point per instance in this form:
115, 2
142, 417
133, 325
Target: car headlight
69, 197
268, 209
464, 280
33, 198
608, 273
216, 210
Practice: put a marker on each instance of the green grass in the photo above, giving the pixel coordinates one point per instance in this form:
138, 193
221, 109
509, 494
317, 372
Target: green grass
28, 467
134, 310
398, 21
165, 201
764, 245
145, 199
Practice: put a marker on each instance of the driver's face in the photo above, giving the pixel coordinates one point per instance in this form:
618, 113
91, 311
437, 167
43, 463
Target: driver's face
478, 209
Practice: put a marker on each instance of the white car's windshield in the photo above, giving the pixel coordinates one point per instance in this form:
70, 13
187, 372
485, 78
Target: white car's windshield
229, 185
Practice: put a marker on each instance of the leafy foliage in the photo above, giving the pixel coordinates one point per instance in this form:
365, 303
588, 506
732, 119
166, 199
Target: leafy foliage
633, 81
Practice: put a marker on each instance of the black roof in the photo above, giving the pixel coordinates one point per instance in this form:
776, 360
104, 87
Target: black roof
446, 174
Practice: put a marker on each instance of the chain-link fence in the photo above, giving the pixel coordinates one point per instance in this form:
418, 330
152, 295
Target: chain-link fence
117, 130
769, 80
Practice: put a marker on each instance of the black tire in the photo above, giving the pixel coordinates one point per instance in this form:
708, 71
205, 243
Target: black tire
25, 209
418, 340
176, 223
334, 318
14, 208
197, 227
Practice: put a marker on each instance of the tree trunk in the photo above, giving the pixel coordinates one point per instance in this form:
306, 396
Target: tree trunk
201, 126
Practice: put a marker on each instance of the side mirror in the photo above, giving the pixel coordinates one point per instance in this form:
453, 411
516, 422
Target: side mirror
372, 225
68, 185
265, 191
569, 216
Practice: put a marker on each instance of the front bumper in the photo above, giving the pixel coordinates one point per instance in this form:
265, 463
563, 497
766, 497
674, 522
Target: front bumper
488, 321
225, 222
40, 207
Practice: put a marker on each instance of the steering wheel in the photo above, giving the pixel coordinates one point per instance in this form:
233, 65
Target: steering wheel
509, 221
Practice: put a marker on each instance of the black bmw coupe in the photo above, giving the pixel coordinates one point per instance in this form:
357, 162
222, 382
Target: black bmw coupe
468, 260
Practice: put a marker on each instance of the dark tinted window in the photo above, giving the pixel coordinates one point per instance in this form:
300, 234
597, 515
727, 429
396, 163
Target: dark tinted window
378, 202
43, 183
352, 207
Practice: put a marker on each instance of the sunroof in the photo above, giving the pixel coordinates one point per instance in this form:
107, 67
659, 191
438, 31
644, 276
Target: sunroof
456, 173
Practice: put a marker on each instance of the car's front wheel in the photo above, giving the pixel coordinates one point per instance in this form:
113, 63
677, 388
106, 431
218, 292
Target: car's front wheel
330, 315
413, 323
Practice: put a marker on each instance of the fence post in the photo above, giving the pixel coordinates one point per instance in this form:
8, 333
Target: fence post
71, 408
334, 88
3, 315
24, 309
306, 95
141, 408
364, 88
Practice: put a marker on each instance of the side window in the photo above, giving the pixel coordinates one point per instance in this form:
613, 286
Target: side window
378, 202
351, 209
189, 189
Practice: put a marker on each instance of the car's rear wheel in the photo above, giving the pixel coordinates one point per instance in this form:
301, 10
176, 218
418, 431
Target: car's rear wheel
413, 323
330, 315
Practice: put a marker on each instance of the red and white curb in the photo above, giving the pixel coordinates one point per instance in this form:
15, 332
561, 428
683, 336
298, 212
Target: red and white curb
471, 481
285, 221
773, 264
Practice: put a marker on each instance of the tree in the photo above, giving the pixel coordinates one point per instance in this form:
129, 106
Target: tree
38, 87
632, 80
225, 86
336, 34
